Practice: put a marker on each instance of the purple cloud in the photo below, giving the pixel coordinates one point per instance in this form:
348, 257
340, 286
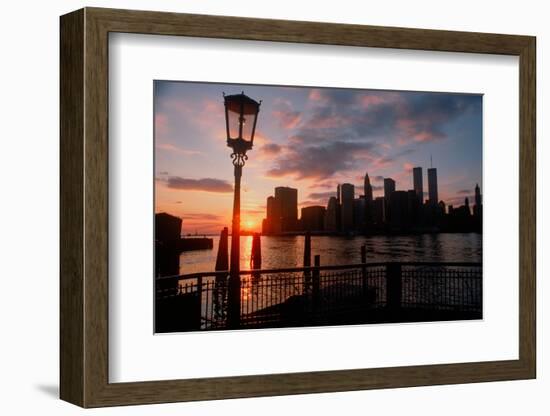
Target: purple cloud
347, 129
204, 184
321, 196
320, 161
285, 114
271, 149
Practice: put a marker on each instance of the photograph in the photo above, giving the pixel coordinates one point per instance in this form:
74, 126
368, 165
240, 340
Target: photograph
293, 206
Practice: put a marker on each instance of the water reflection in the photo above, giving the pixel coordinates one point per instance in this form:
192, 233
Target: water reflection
287, 251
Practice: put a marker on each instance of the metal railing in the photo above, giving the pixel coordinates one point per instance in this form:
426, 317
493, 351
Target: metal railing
323, 295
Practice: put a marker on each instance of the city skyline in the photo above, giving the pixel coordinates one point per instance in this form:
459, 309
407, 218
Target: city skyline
309, 139
356, 212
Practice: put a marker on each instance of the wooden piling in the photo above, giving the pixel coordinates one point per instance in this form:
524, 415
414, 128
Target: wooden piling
256, 255
222, 260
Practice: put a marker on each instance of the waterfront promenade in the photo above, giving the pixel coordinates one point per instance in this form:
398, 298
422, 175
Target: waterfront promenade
361, 293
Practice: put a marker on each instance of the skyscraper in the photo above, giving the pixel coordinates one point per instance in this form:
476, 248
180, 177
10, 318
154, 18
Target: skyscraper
368, 189
418, 184
477, 206
359, 210
368, 202
347, 195
287, 199
331, 214
378, 211
432, 186
272, 222
414, 206
398, 204
313, 218
389, 188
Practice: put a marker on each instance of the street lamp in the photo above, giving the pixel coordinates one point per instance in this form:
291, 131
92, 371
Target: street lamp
241, 114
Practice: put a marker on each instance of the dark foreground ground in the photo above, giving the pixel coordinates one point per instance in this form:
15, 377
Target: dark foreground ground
179, 315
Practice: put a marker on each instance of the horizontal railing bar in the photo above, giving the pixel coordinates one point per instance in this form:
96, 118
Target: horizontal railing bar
313, 268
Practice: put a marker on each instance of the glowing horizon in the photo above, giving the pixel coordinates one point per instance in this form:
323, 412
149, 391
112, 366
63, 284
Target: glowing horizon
310, 139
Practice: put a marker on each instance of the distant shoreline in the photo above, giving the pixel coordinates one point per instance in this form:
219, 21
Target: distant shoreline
326, 234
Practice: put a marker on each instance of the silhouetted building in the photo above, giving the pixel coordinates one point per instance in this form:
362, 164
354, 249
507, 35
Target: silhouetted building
414, 206
313, 218
389, 188
331, 215
467, 205
272, 222
367, 189
281, 211
167, 227
399, 210
418, 184
347, 195
359, 219
460, 219
287, 199
378, 211
432, 186
368, 220
273, 209
477, 206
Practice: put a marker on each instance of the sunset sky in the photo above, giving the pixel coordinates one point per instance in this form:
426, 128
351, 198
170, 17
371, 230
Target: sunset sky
310, 139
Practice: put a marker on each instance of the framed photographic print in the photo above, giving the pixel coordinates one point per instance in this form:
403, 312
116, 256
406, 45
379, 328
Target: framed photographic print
254, 207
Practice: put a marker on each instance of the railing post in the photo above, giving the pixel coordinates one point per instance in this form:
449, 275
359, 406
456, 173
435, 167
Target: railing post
393, 286
307, 261
315, 292
364, 271
199, 299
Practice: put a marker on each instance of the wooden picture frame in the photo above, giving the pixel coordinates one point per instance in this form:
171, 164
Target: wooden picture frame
84, 207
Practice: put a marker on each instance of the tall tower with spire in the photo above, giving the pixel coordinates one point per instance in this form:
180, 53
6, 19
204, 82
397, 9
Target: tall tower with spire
477, 205
368, 201
368, 189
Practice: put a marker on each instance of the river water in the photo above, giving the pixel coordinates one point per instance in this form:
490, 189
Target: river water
288, 251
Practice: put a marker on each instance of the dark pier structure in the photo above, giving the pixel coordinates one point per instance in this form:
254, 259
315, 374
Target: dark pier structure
169, 244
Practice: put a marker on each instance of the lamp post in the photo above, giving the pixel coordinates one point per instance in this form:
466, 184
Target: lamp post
241, 114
